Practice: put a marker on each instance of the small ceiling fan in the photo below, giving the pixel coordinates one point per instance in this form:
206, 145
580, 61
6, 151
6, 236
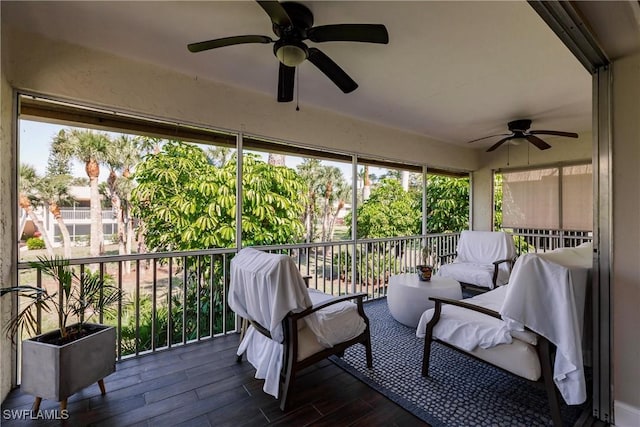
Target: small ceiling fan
520, 130
293, 23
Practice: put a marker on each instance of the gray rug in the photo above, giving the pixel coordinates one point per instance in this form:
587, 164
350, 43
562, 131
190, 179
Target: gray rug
460, 390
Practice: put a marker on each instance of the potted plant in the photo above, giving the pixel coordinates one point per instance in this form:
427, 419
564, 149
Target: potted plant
424, 270
59, 363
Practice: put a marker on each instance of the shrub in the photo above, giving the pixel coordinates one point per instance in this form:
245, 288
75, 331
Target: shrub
34, 243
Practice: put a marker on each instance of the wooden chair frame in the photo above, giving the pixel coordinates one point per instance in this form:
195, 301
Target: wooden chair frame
290, 363
544, 348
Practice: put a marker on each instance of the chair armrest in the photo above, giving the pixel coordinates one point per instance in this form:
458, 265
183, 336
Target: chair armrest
466, 305
496, 265
332, 301
509, 260
306, 280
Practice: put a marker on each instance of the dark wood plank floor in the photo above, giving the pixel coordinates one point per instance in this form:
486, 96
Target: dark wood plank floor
202, 385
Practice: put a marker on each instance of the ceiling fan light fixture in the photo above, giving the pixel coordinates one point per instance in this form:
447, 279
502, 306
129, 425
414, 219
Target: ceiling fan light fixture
291, 54
517, 141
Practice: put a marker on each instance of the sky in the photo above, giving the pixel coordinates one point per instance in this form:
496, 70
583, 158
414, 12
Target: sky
35, 142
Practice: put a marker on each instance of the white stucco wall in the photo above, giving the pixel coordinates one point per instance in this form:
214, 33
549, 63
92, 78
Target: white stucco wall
625, 280
7, 242
523, 155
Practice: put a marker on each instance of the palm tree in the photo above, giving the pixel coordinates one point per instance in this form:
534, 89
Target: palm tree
89, 147
342, 192
219, 156
121, 157
366, 183
405, 180
310, 170
148, 145
332, 178
53, 191
26, 195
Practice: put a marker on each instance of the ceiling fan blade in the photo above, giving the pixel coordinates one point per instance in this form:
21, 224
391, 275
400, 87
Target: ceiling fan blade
285, 83
368, 33
276, 12
227, 41
487, 137
554, 132
332, 70
537, 142
499, 143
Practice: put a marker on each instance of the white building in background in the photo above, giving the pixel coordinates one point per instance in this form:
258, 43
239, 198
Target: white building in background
77, 218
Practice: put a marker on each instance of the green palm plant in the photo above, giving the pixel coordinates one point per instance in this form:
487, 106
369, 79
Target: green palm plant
80, 296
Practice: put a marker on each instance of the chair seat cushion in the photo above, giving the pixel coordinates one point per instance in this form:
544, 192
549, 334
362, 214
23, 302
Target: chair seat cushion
308, 344
337, 323
473, 273
484, 336
518, 357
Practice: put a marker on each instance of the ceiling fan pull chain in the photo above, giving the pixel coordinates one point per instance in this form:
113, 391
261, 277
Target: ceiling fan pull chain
508, 152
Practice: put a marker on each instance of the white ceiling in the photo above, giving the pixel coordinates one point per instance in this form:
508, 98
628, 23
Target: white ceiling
453, 71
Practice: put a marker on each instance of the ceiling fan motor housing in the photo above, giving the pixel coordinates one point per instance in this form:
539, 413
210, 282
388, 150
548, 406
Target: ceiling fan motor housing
290, 50
301, 18
520, 126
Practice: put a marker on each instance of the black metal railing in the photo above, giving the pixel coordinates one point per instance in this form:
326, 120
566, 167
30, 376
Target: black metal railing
174, 298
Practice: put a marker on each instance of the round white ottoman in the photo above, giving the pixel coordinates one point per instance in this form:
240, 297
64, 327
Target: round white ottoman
408, 297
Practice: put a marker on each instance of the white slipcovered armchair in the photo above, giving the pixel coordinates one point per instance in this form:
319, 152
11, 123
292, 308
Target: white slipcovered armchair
483, 259
518, 327
292, 327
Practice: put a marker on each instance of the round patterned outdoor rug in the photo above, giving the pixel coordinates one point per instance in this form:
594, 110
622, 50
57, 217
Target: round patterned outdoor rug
460, 390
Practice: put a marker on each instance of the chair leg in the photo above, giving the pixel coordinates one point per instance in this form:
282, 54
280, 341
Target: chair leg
367, 346
428, 337
103, 389
544, 352
36, 404
426, 355
286, 388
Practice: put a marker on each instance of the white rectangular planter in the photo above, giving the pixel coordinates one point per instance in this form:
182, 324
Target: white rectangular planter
56, 372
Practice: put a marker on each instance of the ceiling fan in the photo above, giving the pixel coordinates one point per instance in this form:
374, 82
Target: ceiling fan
520, 130
293, 23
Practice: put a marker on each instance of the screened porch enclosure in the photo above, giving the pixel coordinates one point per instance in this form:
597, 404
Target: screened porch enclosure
178, 296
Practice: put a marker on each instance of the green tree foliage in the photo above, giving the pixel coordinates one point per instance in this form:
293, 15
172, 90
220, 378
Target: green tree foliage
186, 202
34, 243
497, 201
447, 204
273, 200
388, 212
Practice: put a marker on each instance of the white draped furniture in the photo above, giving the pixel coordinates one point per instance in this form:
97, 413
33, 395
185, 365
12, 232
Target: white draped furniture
483, 259
516, 327
292, 327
